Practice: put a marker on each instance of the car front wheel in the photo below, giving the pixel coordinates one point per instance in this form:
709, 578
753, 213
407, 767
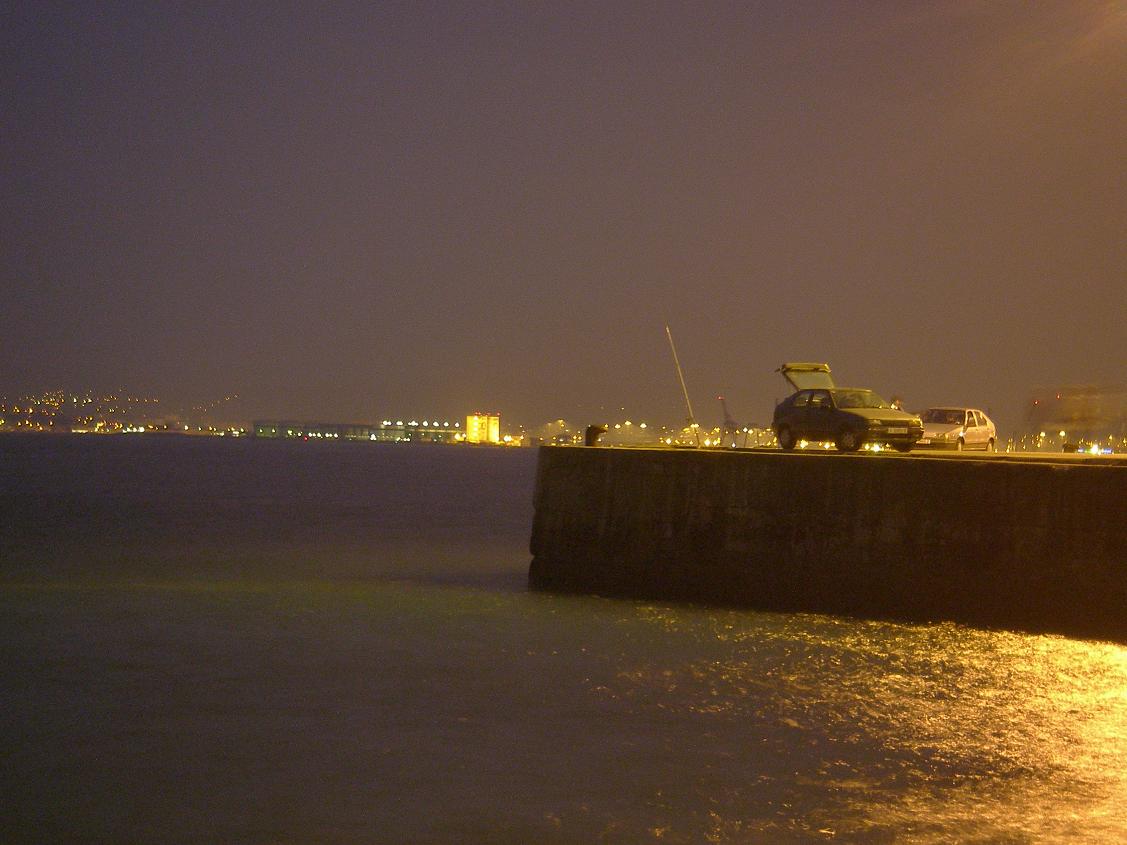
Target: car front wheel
786, 438
904, 447
848, 440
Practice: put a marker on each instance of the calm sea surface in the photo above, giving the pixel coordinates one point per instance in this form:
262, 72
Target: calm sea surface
224, 641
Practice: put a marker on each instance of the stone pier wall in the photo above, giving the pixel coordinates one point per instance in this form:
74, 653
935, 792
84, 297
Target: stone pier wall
1033, 545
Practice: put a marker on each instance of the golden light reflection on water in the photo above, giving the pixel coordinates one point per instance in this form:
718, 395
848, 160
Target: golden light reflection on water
931, 732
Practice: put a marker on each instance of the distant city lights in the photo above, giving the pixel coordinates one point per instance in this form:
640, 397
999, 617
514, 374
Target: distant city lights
1086, 421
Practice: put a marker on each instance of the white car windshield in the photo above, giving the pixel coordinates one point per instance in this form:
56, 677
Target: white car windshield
943, 416
859, 399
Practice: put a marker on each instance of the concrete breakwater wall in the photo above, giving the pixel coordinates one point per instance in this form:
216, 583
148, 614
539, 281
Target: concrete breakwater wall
1031, 545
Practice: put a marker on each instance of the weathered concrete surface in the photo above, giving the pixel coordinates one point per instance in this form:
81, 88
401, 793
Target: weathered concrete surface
1036, 546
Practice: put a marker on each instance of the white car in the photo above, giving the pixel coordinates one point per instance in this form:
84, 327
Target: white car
957, 428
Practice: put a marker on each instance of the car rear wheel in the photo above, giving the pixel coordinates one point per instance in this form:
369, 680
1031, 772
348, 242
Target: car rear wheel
848, 440
904, 447
786, 438
990, 445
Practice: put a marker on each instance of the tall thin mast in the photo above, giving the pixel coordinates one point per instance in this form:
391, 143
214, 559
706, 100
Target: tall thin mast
684, 390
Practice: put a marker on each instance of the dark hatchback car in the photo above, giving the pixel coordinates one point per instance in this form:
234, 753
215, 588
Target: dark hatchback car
819, 411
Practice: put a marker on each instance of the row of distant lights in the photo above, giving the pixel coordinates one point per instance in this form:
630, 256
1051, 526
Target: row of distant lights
1110, 437
141, 429
59, 398
628, 424
325, 435
719, 441
1094, 449
824, 444
423, 423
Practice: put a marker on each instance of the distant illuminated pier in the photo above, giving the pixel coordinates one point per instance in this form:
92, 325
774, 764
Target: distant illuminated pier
387, 431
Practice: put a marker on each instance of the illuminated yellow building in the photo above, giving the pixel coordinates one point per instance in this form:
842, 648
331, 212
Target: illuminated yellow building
483, 428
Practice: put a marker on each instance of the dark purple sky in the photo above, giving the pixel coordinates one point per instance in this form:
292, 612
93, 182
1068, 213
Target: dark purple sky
352, 210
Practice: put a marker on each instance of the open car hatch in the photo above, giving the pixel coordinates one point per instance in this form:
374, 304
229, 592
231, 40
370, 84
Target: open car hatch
807, 376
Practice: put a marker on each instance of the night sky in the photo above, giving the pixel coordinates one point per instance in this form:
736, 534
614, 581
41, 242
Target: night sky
345, 211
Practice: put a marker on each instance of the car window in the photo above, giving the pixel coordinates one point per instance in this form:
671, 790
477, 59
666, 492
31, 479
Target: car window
859, 399
801, 399
979, 419
970, 419
942, 416
820, 399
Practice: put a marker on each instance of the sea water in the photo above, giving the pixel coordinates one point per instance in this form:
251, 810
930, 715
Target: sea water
233, 641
